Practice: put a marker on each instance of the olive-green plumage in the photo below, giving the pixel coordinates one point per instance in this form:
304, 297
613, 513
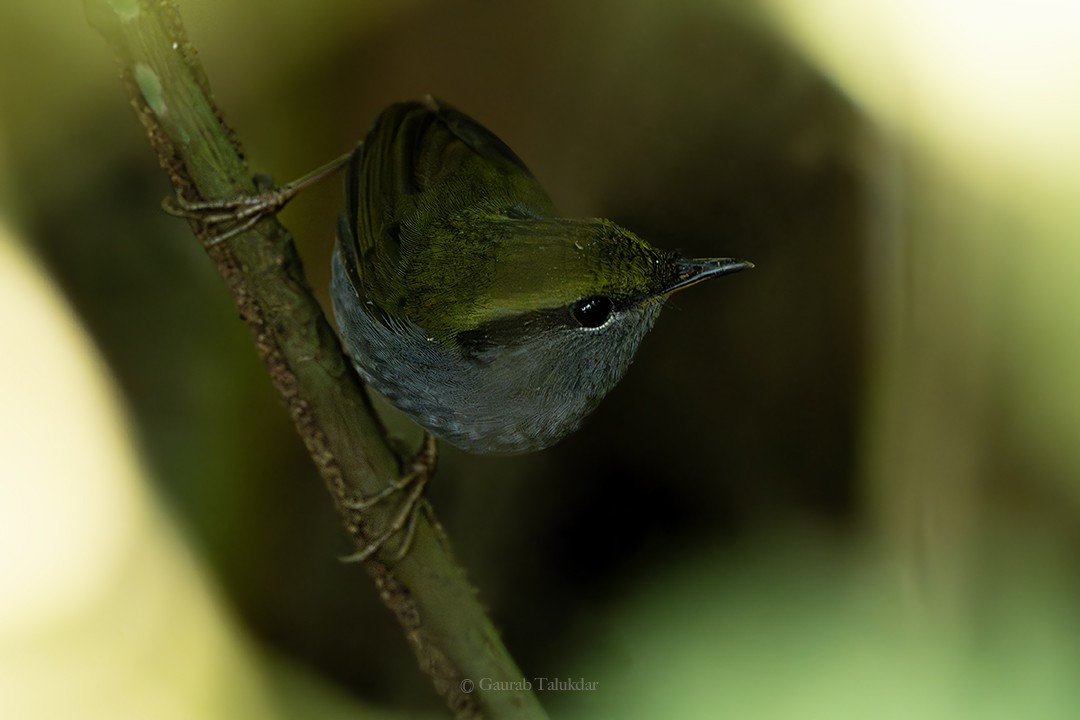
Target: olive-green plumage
469, 303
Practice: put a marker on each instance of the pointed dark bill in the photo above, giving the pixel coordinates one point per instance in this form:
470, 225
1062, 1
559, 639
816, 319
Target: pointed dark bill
691, 272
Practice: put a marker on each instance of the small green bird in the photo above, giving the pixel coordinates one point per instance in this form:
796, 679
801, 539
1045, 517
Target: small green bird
465, 300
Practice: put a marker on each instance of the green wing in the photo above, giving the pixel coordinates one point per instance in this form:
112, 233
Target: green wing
424, 170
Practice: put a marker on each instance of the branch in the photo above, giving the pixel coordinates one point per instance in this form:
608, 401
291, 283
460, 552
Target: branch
426, 590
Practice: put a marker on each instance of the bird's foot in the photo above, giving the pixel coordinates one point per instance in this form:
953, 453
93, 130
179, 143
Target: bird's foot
415, 475
227, 217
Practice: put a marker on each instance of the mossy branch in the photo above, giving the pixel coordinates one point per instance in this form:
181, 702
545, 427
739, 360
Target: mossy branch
426, 590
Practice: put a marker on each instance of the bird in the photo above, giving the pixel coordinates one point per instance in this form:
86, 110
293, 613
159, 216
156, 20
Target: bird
469, 303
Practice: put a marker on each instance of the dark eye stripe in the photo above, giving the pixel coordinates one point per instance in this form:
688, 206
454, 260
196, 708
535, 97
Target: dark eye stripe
590, 312
511, 330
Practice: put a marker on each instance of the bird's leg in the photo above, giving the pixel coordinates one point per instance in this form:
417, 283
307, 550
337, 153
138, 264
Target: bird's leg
412, 482
228, 217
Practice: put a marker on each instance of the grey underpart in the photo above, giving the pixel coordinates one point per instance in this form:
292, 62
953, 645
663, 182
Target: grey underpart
500, 400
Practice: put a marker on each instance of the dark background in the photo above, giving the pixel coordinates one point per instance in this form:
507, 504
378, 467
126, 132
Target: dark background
744, 419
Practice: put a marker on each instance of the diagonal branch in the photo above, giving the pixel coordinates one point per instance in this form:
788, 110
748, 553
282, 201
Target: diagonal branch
427, 591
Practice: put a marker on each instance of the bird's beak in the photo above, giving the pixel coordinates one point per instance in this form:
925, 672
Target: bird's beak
691, 272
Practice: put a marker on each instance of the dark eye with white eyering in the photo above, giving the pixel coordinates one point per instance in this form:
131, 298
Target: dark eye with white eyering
593, 312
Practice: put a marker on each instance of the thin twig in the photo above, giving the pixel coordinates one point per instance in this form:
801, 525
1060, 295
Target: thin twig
455, 643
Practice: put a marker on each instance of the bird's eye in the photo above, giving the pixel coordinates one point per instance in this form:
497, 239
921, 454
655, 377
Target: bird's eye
592, 312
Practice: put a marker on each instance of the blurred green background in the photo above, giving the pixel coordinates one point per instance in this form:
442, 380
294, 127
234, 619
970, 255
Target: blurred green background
845, 484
